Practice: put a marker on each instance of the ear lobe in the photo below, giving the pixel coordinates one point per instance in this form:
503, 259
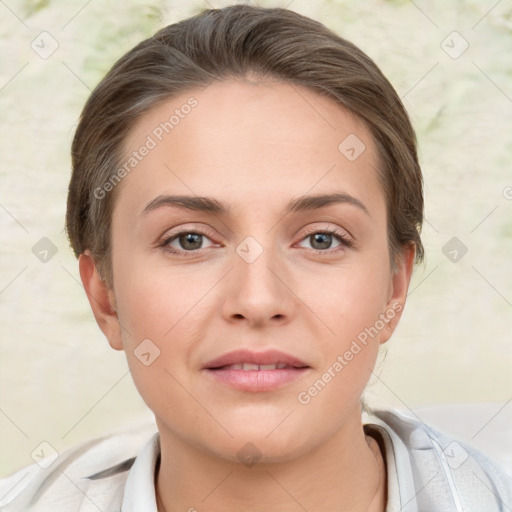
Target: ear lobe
102, 300
398, 291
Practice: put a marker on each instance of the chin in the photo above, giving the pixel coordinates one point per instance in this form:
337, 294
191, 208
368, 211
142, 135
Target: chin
266, 444
259, 452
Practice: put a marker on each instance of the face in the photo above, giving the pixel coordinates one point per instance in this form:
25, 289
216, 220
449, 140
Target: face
249, 236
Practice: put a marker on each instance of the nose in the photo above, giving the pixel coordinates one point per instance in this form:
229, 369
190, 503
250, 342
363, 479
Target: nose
258, 293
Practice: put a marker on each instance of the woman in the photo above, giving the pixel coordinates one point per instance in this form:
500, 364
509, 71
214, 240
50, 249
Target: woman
246, 205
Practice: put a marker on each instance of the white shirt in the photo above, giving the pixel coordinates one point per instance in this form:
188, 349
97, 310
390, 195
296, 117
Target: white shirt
426, 470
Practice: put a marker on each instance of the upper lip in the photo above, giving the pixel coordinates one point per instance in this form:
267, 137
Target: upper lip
270, 356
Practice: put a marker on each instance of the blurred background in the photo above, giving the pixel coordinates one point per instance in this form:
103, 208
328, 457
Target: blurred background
60, 382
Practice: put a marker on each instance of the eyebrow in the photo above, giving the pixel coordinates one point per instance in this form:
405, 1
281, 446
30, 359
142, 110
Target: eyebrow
210, 205
196, 203
306, 203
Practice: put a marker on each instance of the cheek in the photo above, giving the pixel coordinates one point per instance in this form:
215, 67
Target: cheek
153, 301
163, 317
350, 305
349, 299
350, 309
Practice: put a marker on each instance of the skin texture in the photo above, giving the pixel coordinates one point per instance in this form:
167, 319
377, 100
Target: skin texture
253, 147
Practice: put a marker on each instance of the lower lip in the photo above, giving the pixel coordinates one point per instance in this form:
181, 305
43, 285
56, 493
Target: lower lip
257, 380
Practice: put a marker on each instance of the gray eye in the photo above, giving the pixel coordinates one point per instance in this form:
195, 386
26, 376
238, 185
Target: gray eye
321, 240
188, 241
191, 241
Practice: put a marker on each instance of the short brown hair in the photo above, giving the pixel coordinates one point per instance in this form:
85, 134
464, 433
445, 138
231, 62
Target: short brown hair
238, 42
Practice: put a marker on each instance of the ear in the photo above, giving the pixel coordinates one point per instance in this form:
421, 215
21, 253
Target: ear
102, 300
399, 285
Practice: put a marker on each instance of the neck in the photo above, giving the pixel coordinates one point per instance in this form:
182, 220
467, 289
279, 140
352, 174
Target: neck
344, 473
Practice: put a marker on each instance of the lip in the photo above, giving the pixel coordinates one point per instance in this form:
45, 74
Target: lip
256, 380
270, 356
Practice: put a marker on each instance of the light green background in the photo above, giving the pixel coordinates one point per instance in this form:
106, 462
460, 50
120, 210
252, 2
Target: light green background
59, 380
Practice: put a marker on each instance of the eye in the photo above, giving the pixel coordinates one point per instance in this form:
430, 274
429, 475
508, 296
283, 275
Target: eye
323, 240
186, 241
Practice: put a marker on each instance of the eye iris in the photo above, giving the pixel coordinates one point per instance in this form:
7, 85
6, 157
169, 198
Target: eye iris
190, 241
323, 239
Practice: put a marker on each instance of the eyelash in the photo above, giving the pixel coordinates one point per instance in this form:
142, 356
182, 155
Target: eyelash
345, 241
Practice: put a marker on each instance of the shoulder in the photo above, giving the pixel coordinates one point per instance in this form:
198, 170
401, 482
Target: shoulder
446, 473
90, 476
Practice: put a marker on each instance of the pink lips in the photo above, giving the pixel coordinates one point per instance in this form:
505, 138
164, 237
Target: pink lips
256, 371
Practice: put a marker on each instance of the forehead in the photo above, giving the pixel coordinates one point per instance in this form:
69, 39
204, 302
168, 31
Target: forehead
254, 139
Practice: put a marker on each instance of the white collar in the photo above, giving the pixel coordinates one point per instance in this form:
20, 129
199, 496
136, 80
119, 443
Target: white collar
139, 493
401, 492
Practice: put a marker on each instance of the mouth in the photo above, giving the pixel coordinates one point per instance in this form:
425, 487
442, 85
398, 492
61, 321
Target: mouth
245, 359
252, 371
255, 367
